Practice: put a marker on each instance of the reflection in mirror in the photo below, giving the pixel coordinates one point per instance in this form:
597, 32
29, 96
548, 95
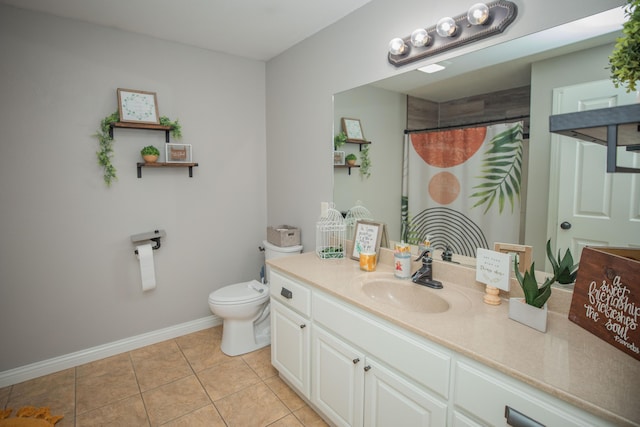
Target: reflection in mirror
562, 56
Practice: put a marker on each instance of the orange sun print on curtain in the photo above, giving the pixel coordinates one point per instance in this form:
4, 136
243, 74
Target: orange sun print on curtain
445, 149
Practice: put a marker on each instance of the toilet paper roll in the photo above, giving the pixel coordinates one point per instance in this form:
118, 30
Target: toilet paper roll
147, 269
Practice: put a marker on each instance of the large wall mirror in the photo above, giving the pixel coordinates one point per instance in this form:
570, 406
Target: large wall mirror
540, 63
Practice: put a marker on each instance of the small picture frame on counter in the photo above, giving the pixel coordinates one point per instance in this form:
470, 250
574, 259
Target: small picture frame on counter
367, 238
178, 153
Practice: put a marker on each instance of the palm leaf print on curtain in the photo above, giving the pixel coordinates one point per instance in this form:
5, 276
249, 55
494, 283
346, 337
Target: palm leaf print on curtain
457, 184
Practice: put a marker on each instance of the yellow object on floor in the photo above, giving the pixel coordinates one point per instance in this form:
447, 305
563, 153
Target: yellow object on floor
29, 416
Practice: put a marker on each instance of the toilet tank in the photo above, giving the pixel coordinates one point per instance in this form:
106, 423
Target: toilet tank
272, 251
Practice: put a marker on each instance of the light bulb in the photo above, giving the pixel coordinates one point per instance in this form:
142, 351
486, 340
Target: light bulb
446, 27
397, 46
419, 38
478, 14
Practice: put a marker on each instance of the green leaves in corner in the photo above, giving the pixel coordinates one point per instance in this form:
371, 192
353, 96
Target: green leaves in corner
502, 170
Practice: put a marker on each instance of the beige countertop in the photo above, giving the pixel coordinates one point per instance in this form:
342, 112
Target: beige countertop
567, 361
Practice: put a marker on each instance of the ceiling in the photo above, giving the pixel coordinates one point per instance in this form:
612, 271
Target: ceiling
255, 29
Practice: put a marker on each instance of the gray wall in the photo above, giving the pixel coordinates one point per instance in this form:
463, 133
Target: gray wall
383, 116
69, 279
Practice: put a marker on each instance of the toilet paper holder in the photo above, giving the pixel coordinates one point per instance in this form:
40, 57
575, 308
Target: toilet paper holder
154, 236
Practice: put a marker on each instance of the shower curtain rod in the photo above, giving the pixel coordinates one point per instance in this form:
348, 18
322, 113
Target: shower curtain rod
467, 125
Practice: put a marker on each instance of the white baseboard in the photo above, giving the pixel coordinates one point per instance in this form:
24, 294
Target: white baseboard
49, 366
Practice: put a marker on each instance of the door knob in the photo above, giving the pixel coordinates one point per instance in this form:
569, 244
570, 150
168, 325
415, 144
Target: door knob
565, 225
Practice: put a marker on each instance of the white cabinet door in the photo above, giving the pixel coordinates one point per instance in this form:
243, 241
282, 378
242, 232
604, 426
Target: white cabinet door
338, 379
290, 346
390, 400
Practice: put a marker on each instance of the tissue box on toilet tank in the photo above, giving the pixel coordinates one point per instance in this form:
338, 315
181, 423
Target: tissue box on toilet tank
283, 235
606, 296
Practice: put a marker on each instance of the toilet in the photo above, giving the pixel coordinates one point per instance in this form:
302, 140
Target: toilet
244, 308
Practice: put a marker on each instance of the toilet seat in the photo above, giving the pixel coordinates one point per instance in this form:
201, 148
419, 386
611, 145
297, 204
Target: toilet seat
240, 293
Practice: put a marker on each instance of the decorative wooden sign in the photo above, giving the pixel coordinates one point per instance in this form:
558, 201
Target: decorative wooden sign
606, 297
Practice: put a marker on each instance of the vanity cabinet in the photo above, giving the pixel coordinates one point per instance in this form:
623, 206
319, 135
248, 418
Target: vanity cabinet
353, 389
291, 332
493, 398
357, 369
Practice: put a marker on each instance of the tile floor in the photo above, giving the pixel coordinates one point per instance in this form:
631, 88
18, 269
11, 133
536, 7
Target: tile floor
186, 381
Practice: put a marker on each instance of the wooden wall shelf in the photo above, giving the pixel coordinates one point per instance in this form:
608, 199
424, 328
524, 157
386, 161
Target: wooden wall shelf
148, 126
166, 165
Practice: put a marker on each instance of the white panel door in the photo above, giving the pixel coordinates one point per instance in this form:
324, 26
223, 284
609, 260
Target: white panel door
290, 346
595, 208
338, 379
391, 400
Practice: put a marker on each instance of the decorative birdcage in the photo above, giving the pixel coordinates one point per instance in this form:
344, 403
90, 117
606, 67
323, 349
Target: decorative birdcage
330, 235
355, 214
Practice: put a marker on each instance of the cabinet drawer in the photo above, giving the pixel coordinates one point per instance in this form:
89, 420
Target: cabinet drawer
290, 293
412, 357
485, 393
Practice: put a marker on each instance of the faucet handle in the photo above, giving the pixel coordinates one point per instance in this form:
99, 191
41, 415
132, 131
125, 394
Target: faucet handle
424, 256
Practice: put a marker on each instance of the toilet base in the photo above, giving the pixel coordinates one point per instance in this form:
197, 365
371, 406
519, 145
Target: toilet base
240, 337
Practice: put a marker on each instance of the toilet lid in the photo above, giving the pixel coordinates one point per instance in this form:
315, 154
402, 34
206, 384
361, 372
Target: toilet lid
240, 292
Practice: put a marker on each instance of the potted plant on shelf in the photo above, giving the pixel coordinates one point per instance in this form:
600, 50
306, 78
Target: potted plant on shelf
625, 59
339, 140
532, 309
564, 270
150, 154
351, 159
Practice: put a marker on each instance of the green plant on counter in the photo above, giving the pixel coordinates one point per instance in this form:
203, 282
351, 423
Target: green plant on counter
564, 269
105, 141
625, 59
339, 140
533, 295
365, 162
150, 150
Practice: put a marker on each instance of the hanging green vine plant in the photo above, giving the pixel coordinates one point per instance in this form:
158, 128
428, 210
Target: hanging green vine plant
105, 140
365, 162
502, 169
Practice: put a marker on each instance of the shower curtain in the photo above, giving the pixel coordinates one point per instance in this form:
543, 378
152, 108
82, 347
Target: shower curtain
461, 187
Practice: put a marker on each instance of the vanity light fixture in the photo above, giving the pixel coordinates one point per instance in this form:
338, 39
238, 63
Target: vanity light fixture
480, 21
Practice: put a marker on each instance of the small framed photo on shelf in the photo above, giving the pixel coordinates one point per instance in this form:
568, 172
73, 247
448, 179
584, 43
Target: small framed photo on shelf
353, 129
338, 158
178, 153
137, 106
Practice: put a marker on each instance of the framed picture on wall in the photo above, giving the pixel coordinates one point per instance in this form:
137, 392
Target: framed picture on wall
137, 106
353, 129
178, 153
338, 158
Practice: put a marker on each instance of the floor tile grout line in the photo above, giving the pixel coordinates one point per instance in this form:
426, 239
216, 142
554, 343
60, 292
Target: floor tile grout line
135, 374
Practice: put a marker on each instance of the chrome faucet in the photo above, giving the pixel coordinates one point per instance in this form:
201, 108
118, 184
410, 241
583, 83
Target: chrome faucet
424, 276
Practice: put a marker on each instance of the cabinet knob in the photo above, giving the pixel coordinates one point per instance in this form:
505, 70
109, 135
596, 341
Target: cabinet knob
366, 368
303, 326
356, 360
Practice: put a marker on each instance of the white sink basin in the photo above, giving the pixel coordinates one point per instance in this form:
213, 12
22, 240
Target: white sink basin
404, 294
